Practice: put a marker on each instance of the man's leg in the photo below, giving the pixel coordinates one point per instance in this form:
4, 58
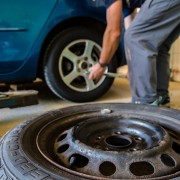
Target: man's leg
147, 33
163, 71
163, 68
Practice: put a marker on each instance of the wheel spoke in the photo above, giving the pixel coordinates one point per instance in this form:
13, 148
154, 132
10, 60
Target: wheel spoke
89, 48
70, 55
70, 77
90, 84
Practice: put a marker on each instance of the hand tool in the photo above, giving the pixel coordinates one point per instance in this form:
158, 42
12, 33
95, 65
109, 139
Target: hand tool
113, 75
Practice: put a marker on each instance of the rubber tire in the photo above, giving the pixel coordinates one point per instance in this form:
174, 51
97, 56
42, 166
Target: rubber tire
51, 72
19, 155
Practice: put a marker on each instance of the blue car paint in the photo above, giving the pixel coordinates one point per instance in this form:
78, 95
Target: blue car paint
24, 26
20, 26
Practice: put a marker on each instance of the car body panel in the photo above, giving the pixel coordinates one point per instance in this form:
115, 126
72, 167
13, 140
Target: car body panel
20, 28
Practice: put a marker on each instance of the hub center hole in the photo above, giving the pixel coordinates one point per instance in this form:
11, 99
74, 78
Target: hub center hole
118, 142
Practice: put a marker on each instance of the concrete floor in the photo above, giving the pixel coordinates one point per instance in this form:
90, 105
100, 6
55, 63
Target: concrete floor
119, 92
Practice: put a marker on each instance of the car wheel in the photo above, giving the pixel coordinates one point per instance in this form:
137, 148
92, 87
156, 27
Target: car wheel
97, 141
67, 61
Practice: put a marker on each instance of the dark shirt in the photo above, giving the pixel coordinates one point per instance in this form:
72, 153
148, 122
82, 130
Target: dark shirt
128, 5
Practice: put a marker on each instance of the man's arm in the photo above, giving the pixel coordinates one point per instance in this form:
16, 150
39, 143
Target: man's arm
111, 38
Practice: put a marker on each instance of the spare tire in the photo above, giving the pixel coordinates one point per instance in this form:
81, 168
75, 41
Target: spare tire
96, 141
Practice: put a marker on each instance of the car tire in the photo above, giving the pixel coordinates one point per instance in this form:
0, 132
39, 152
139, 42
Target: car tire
28, 152
67, 61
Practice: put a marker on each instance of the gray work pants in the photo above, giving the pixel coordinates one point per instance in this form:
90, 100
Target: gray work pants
147, 44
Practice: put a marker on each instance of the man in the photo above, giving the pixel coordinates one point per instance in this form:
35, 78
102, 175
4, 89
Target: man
147, 44
112, 33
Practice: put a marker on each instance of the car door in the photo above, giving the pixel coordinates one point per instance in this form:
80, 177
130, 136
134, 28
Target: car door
21, 21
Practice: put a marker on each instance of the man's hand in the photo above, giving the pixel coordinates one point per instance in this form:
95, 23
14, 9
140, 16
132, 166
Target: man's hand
96, 72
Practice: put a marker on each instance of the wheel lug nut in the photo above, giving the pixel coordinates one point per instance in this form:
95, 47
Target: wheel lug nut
118, 132
138, 139
98, 138
134, 149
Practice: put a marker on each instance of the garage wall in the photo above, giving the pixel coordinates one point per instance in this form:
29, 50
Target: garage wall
175, 61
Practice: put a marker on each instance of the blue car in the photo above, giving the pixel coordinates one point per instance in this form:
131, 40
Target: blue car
57, 41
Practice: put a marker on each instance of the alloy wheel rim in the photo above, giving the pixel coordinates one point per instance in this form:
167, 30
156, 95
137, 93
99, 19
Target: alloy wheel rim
74, 63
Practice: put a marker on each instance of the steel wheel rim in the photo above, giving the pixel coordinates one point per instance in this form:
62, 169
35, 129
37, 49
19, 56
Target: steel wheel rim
167, 158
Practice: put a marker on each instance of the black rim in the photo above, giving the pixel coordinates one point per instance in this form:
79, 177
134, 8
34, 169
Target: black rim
107, 143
